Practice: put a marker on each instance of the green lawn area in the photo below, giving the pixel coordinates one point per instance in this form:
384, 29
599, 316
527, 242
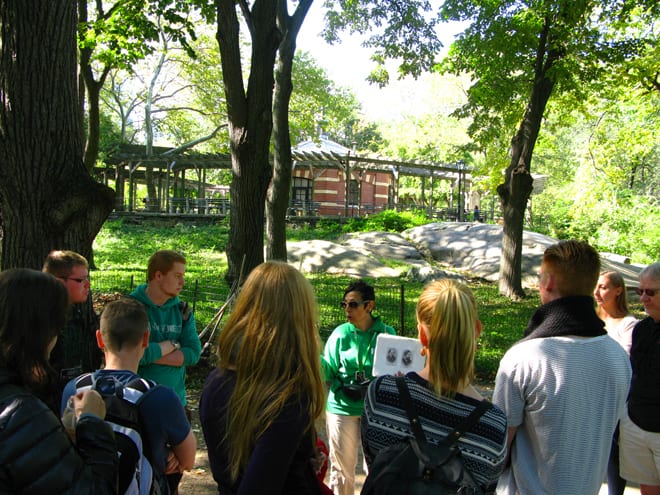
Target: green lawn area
121, 252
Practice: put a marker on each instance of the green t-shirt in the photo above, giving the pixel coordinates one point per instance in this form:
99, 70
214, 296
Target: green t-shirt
348, 351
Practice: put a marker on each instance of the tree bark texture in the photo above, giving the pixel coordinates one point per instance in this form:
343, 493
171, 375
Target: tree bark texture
279, 191
517, 187
47, 198
250, 126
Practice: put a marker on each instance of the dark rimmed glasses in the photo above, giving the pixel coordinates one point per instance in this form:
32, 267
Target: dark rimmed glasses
80, 280
648, 292
352, 304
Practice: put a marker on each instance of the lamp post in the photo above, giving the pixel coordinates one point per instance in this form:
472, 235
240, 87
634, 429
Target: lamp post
461, 188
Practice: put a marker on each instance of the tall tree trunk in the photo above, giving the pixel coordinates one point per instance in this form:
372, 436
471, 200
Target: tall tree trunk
250, 125
278, 193
47, 198
517, 187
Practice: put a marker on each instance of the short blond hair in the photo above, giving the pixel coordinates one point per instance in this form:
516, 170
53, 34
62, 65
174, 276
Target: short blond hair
575, 265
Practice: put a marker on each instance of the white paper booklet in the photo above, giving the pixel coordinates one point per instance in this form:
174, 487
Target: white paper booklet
396, 354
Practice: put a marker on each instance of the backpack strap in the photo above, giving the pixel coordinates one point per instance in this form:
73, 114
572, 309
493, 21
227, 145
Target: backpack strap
416, 427
185, 311
85, 382
132, 391
136, 389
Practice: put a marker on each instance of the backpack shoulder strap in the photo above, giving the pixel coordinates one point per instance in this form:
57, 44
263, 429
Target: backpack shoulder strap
454, 435
467, 423
85, 382
136, 389
406, 401
185, 311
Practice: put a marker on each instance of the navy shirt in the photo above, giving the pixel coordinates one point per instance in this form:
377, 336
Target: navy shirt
162, 417
281, 459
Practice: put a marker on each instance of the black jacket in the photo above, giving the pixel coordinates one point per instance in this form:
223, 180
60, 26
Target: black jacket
644, 398
36, 455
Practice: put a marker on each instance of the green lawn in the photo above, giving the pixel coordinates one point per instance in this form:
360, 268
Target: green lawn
121, 252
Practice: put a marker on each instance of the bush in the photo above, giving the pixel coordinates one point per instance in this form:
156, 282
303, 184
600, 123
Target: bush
392, 221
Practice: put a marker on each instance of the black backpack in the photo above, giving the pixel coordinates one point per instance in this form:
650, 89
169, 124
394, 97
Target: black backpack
416, 467
136, 476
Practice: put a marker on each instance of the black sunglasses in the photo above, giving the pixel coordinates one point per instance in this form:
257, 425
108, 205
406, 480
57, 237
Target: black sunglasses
648, 292
352, 304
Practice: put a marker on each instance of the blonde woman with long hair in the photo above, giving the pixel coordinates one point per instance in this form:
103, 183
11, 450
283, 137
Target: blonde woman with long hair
259, 407
442, 392
612, 308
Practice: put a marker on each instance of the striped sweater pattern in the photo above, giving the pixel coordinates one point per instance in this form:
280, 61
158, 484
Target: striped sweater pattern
384, 422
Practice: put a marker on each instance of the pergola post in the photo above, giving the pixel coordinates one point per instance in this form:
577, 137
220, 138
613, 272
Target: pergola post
347, 184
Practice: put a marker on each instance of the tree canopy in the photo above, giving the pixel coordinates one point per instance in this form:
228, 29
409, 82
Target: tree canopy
519, 56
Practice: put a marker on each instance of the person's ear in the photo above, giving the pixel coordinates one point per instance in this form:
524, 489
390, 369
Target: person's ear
145, 339
549, 282
478, 329
99, 340
423, 334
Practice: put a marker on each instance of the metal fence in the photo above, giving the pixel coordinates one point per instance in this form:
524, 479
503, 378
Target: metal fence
395, 302
503, 320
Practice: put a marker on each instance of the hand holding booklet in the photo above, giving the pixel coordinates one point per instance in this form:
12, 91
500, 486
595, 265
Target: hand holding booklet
397, 355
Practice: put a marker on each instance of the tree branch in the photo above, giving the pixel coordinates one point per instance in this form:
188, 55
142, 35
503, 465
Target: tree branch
194, 142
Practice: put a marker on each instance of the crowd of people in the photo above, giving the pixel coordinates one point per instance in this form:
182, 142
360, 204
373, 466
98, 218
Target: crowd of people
575, 400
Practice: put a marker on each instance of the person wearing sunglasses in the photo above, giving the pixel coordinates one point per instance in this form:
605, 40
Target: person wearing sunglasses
640, 428
76, 351
347, 363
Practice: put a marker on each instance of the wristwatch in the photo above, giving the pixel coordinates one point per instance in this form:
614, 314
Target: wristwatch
176, 345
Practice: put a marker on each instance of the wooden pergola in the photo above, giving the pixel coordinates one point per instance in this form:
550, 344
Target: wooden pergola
170, 170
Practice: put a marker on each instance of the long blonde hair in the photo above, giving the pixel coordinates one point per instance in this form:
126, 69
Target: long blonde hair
272, 342
448, 310
616, 279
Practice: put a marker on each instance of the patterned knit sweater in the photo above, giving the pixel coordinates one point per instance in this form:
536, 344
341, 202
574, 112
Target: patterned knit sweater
384, 422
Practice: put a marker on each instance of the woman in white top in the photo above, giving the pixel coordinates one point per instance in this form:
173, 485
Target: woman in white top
610, 295
612, 302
